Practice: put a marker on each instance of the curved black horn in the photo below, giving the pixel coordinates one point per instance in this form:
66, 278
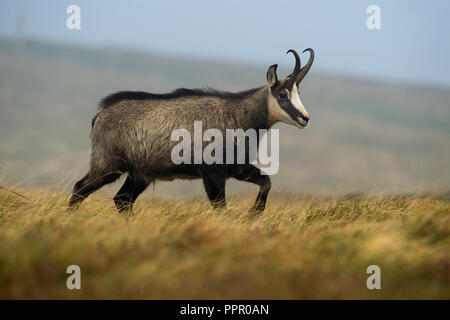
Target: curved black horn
297, 67
306, 68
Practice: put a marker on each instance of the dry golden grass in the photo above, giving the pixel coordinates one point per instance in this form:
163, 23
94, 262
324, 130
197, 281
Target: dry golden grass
299, 248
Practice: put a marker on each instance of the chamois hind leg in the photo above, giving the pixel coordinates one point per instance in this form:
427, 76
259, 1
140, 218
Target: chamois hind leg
253, 174
214, 183
90, 183
128, 194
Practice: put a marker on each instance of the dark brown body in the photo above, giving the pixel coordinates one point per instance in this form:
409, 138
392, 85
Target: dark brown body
132, 134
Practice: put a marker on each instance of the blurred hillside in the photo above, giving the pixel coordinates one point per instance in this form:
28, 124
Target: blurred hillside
363, 135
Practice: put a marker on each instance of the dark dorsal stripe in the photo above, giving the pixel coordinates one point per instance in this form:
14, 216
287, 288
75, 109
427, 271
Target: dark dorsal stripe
178, 93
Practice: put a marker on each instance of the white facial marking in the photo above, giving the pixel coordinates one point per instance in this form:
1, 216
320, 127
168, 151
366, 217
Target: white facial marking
277, 114
296, 102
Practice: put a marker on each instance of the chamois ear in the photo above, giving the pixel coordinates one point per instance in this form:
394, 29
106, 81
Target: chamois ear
272, 78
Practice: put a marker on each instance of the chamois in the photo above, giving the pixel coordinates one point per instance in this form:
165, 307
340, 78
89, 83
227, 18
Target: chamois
131, 134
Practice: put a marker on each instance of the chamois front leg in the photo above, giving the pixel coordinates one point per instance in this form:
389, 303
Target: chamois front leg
253, 174
214, 183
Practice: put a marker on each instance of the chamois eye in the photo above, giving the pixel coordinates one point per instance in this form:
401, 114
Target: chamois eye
282, 96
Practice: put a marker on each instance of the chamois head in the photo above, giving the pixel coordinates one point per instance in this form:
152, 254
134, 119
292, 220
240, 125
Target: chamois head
284, 95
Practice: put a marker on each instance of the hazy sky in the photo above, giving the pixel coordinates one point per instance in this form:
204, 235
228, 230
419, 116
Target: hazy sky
412, 45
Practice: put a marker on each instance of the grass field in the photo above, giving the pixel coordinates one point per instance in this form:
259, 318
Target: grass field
301, 247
